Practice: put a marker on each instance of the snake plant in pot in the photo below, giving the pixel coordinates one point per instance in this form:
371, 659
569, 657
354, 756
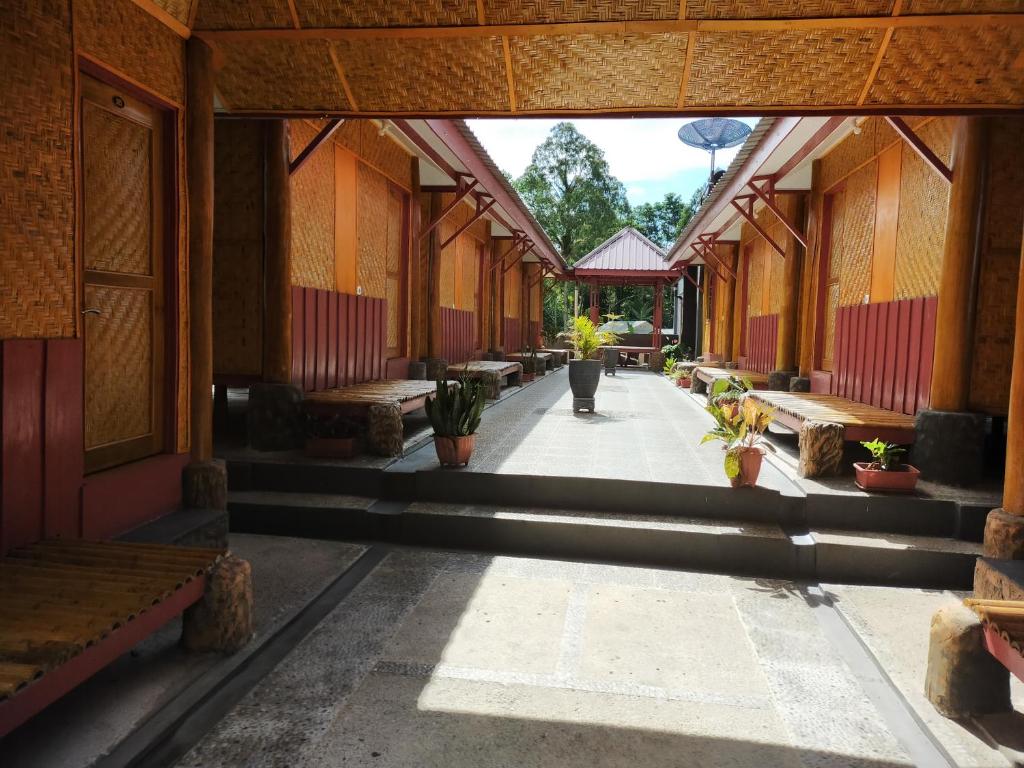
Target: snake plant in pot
454, 414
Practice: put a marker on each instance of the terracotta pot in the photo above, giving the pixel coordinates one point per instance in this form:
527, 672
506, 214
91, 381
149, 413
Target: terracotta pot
527, 377
331, 447
454, 451
683, 383
902, 480
750, 467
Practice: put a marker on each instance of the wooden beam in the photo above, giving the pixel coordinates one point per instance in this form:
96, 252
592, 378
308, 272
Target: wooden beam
481, 15
161, 15
827, 129
294, 14
459, 197
769, 203
749, 216
882, 48
314, 144
678, 26
699, 249
506, 49
480, 211
528, 246
343, 79
517, 239
918, 145
691, 44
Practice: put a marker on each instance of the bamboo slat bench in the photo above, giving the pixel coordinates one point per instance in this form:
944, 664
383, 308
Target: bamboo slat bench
559, 357
704, 376
1003, 624
491, 372
383, 402
825, 422
68, 608
522, 357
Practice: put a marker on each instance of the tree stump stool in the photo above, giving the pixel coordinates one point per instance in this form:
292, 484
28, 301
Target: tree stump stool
222, 620
821, 448
384, 429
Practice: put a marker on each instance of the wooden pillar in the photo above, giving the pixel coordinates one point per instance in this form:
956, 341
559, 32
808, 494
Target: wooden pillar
434, 338
497, 248
199, 158
659, 299
1013, 484
595, 305
785, 352
809, 265
277, 317
727, 307
415, 278
951, 372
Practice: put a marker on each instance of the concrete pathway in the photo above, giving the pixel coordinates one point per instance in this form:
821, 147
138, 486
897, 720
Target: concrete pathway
449, 660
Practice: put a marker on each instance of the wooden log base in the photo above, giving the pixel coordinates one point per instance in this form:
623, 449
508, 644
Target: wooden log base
273, 420
821, 448
205, 485
384, 427
222, 620
1004, 535
963, 679
999, 579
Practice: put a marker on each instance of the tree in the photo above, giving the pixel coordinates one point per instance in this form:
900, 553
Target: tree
661, 222
571, 192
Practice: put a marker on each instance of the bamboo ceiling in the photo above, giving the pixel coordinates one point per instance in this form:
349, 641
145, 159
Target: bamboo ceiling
544, 57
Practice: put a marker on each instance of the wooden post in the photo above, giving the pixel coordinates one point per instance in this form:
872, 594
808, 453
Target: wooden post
728, 305
809, 264
659, 300
595, 304
951, 371
785, 353
1013, 483
277, 317
199, 157
497, 248
434, 339
416, 286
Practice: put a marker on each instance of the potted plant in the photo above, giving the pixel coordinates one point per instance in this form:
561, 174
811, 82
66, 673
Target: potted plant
584, 372
727, 393
669, 367
455, 416
331, 436
885, 472
741, 428
529, 368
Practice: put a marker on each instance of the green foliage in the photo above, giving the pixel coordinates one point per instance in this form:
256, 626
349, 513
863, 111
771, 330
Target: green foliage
670, 364
728, 390
680, 352
586, 338
570, 190
739, 426
886, 455
661, 222
456, 413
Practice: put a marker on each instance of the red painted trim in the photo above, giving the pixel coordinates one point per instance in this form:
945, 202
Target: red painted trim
352, 325
21, 460
119, 499
396, 368
826, 130
309, 340
307, 152
763, 341
642, 276
298, 336
920, 147
58, 682
752, 220
513, 334
1003, 652
321, 339
64, 438
821, 382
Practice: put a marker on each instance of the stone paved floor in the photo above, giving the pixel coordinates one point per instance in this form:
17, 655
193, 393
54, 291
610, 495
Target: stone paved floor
464, 661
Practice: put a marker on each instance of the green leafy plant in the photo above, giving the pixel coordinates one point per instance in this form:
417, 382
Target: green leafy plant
728, 390
886, 455
739, 428
586, 339
533, 360
669, 367
456, 413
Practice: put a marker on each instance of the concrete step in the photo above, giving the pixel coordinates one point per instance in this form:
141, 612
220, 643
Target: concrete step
894, 559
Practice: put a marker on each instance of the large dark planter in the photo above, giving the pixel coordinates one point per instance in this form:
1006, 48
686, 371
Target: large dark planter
584, 376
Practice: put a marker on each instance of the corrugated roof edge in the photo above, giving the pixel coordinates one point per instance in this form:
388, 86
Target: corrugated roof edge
474, 142
597, 251
751, 143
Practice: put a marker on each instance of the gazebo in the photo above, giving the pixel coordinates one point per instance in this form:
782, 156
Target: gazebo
627, 258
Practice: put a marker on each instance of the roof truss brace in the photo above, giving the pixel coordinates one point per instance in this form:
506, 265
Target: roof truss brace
710, 260
527, 247
540, 276
465, 187
690, 277
917, 144
767, 195
708, 241
481, 208
518, 238
747, 211
307, 152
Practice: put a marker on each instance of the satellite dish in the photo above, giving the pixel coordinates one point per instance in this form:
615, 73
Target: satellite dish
714, 133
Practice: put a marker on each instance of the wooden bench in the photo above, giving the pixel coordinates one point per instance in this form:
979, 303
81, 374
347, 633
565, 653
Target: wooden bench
491, 372
825, 422
1003, 625
68, 608
704, 376
627, 350
522, 357
559, 357
383, 403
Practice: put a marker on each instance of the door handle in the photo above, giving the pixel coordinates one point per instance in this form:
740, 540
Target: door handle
92, 311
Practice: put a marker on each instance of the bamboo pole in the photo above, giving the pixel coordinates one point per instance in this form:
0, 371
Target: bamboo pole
277, 334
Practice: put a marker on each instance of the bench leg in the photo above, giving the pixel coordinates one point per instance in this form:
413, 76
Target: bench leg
222, 620
386, 432
697, 387
821, 448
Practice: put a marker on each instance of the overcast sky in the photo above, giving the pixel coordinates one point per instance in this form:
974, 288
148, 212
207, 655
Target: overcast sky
644, 154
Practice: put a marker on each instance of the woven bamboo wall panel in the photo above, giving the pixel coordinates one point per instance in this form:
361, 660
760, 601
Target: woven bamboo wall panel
37, 289
470, 272
394, 240
238, 248
777, 268
384, 154
448, 259
179, 9
312, 214
781, 68
556, 11
831, 311
924, 204
858, 235
419, 74
952, 66
118, 365
243, 14
755, 279
962, 6
1004, 214
513, 289
126, 37
395, 13
574, 72
117, 192
856, 149
767, 9
273, 74
372, 231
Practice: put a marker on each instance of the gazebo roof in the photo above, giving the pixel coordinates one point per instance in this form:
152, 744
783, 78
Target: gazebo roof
626, 255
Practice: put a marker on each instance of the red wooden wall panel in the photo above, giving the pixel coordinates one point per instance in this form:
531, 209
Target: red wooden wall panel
884, 353
458, 331
513, 341
63, 431
762, 337
337, 338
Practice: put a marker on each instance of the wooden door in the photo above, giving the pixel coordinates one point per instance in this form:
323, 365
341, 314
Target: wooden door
123, 199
